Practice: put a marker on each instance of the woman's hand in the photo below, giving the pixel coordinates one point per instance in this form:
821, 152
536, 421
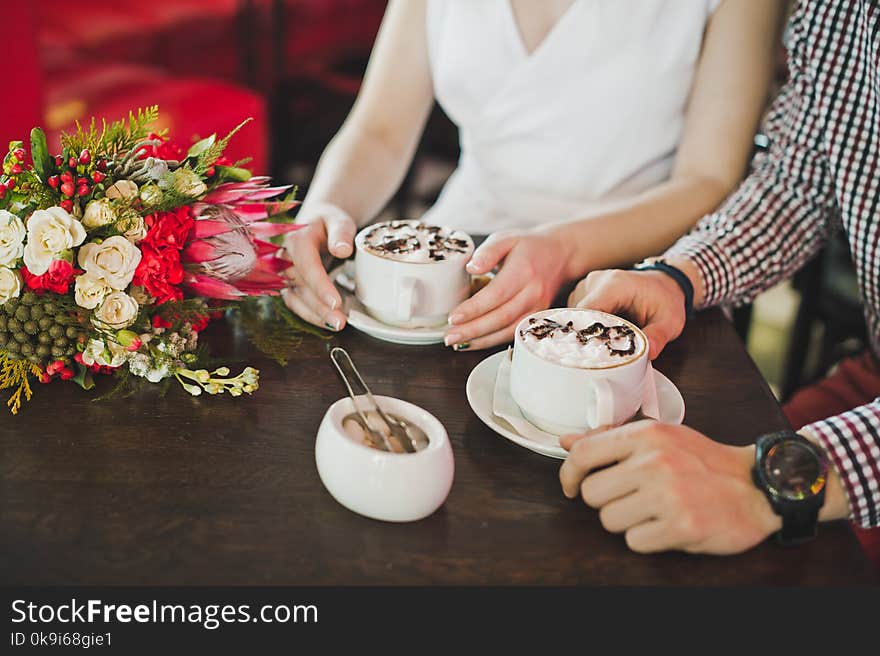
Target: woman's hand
311, 293
533, 271
668, 487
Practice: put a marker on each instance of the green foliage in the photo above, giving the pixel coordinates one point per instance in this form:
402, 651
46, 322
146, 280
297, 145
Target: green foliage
273, 329
40, 153
208, 155
15, 374
111, 140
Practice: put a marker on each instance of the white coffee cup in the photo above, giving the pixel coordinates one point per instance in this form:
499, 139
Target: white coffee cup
561, 398
409, 294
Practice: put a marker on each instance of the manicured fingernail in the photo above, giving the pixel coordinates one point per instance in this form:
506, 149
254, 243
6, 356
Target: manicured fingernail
464, 346
450, 339
331, 301
454, 319
340, 246
473, 266
332, 325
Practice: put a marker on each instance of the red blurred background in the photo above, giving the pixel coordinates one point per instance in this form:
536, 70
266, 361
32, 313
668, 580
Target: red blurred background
293, 65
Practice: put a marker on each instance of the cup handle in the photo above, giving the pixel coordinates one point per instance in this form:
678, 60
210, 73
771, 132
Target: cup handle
650, 402
602, 412
405, 298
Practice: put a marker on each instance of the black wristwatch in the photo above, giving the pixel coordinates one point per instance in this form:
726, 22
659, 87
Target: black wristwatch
679, 276
792, 472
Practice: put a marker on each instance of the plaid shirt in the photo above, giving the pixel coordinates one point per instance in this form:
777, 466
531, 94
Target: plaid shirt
820, 173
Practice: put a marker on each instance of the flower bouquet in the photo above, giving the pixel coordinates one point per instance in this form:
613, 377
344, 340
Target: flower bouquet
117, 252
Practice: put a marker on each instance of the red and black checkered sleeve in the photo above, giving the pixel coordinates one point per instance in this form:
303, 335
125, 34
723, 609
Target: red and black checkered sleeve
853, 446
780, 215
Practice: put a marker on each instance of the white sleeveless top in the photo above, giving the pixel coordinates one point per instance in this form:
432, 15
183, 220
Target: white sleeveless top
595, 112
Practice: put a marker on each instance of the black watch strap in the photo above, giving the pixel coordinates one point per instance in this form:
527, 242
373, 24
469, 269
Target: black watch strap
799, 527
678, 276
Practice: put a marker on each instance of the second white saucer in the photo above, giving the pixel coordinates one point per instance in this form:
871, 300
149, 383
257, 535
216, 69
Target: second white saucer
481, 390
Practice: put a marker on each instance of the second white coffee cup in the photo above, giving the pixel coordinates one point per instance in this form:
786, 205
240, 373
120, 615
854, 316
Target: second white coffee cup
562, 399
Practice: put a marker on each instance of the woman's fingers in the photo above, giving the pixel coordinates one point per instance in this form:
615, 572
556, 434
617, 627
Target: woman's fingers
502, 336
500, 318
301, 300
305, 250
491, 252
341, 230
500, 289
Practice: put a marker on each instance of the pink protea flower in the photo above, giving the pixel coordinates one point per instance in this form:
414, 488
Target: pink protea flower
229, 256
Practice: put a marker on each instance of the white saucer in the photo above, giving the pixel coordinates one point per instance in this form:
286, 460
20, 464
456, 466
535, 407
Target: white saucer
481, 388
361, 320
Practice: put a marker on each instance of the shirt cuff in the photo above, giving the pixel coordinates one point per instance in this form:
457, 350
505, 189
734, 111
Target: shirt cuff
714, 267
851, 442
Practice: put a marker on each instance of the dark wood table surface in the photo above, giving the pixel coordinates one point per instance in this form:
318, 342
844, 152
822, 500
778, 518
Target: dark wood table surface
176, 490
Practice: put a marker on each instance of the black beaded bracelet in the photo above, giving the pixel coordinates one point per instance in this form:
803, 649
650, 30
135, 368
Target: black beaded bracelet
678, 276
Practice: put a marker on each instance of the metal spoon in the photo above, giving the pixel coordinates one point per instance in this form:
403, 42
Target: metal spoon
411, 437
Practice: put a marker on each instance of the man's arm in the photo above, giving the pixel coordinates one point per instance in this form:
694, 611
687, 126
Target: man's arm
778, 218
853, 446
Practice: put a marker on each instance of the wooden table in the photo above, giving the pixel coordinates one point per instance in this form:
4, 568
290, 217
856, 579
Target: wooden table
179, 491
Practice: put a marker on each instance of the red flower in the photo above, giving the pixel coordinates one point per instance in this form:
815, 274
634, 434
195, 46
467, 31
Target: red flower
201, 323
159, 322
165, 150
57, 279
159, 272
169, 229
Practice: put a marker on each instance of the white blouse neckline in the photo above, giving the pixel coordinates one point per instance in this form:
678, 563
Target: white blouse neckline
517, 36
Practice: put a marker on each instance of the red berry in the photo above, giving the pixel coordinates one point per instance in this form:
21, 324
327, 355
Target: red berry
71, 162
66, 373
16, 169
82, 181
2, 191
85, 157
54, 181
67, 205
19, 154
58, 160
66, 177
210, 171
83, 190
67, 189
98, 177
102, 165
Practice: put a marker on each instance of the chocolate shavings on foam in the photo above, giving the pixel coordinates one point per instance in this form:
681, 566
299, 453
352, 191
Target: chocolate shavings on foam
610, 336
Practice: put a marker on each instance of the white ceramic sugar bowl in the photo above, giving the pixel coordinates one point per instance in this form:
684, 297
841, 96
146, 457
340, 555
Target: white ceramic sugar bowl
393, 487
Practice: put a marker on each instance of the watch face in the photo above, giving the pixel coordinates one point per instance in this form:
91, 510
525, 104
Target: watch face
793, 470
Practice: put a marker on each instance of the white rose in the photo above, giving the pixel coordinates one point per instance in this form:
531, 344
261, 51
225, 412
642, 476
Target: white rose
117, 311
10, 284
185, 182
89, 291
98, 213
114, 260
106, 355
49, 232
122, 189
12, 234
133, 228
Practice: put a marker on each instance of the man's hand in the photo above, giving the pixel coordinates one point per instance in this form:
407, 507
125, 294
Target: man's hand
668, 487
651, 299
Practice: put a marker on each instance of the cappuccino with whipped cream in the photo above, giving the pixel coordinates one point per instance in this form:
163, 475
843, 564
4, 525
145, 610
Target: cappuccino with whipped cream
413, 241
577, 369
411, 274
582, 338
